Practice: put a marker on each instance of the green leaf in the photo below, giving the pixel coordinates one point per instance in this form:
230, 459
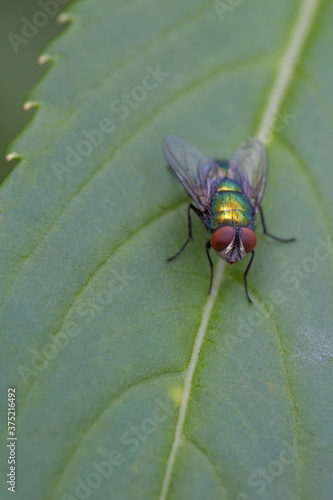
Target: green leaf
131, 382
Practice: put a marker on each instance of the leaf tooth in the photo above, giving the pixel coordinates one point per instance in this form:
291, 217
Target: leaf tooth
31, 104
44, 58
66, 17
13, 156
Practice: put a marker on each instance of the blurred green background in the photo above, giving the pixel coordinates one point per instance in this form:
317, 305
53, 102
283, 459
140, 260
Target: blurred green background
20, 71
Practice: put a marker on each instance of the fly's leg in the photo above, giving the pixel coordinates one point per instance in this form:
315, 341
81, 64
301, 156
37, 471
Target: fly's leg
245, 274
285, 240
208, 245
197, 211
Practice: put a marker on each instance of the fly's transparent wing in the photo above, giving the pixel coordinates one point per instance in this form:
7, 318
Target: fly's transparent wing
249, 167
196, 172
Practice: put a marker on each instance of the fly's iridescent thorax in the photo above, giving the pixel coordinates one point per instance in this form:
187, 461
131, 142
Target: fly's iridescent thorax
230, 206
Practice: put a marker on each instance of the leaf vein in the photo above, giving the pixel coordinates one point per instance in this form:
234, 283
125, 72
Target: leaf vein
210, 461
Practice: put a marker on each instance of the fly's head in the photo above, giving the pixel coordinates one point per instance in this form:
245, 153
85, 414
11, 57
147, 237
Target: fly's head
233, 243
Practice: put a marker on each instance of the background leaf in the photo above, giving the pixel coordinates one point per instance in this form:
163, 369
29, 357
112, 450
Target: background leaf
131, 382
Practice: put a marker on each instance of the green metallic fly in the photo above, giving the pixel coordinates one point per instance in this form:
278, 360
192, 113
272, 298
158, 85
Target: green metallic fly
227, 196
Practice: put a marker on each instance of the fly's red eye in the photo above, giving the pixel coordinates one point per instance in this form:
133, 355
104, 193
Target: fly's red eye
249, 239
222, 238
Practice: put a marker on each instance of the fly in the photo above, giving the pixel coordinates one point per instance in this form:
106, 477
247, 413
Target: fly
227, 197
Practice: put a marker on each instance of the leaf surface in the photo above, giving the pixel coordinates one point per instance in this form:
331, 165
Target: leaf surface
131, 382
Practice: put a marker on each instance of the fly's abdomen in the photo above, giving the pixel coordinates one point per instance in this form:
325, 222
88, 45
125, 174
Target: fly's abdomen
230, 206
